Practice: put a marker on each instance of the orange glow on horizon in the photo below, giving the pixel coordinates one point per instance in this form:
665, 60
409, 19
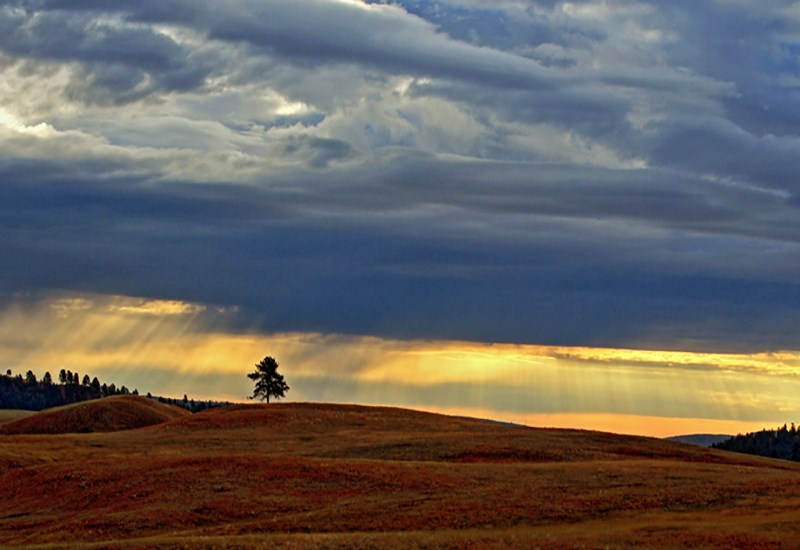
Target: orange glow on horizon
652, 426
172, 348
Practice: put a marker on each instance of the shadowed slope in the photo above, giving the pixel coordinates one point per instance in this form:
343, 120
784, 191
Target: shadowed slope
111, 414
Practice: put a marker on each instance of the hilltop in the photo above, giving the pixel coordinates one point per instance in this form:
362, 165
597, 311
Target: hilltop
299, 475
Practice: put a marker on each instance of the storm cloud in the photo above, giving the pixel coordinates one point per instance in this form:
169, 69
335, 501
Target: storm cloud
569, 173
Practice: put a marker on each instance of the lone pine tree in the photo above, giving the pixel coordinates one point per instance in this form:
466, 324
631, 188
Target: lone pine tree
268, 382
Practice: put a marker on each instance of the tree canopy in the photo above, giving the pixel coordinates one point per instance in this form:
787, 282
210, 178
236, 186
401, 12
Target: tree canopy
268, 382
781, 443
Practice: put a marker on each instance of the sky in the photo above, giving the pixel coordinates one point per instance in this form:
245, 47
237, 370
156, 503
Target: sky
577, 213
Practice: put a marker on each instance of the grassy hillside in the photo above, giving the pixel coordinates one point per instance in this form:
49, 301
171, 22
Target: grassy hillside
110, 414
302, 475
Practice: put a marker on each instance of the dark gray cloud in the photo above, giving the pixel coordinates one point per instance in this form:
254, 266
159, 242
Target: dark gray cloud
118, 62
716, 146
599, 173
233, 245
313, 31
580, 109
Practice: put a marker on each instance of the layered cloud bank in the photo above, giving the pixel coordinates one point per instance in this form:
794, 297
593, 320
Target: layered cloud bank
617, 174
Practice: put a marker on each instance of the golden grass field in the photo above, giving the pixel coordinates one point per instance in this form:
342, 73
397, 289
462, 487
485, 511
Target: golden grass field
339, 476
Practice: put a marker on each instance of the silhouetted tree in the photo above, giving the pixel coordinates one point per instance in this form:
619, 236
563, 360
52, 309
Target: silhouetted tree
268, 382
47, 379
62, 376
8, 372
96, 384
30, 378
86, 380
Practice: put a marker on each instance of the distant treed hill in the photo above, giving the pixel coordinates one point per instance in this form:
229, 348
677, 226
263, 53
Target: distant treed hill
190, 405
781, 443
28, 393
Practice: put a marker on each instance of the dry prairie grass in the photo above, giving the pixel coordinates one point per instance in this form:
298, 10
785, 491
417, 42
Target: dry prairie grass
335, 476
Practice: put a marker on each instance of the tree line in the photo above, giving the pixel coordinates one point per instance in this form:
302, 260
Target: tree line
782, 443
190, 405
28, 393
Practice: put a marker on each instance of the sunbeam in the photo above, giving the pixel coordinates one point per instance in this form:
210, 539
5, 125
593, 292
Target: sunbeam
176, 348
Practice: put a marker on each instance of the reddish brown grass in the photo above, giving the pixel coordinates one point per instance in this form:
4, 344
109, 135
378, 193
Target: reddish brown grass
112, 414
299, 475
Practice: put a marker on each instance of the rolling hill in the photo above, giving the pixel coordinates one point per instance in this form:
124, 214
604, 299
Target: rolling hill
333, 476
125, 412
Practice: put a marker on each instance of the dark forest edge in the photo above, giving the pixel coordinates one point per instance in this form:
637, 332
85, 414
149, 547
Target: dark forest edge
783, 442
28, 393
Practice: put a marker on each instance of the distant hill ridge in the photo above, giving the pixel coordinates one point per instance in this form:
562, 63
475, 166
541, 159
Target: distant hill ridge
704, 440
